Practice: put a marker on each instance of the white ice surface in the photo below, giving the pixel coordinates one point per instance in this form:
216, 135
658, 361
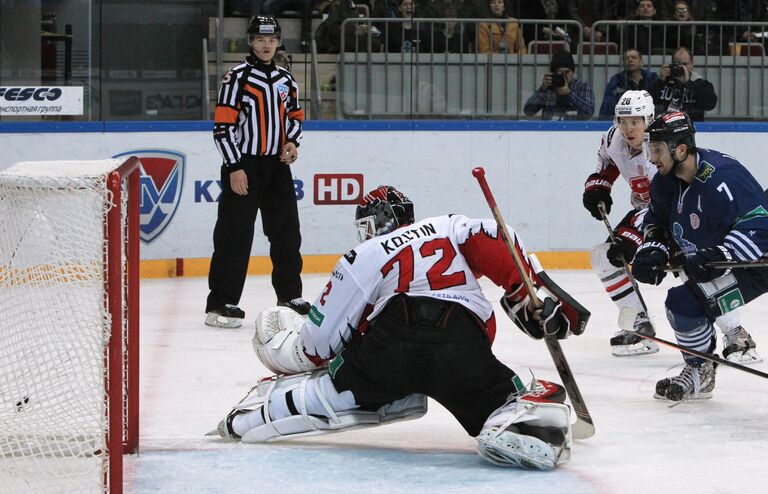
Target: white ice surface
192, 374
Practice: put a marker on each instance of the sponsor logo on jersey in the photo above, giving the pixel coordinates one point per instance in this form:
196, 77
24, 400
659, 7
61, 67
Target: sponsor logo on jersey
695, 221
282, 90
316, 316
351, 256
705, 171
338, 188
730, 300
161, 181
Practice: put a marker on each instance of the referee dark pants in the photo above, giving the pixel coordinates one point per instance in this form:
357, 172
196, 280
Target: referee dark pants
428, 346
271, 190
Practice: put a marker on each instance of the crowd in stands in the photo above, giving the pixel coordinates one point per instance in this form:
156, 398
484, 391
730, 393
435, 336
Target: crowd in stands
504, 26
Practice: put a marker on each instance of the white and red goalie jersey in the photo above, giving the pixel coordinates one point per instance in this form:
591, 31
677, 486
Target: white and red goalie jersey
616, 157
439, 257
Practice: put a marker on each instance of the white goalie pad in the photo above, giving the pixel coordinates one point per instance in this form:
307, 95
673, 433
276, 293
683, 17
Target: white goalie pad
321, 409
277, 341
527, 434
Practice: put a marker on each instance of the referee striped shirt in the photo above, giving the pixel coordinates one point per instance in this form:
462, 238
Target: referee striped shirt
257, 111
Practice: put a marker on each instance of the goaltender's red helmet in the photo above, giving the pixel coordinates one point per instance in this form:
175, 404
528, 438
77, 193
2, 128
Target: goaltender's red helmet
381, 211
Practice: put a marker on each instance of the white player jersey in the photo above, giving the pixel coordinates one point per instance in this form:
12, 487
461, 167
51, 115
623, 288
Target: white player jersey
615, 158
439, 257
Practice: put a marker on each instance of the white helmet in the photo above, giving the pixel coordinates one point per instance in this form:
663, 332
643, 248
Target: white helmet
634, 104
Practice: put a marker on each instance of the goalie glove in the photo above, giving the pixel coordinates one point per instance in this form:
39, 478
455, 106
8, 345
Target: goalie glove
547, 320
277, 342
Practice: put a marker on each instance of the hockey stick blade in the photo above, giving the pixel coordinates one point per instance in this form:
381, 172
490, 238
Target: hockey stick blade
627, 320
584, 427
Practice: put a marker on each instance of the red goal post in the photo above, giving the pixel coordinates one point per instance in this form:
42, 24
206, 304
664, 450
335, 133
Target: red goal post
69, 324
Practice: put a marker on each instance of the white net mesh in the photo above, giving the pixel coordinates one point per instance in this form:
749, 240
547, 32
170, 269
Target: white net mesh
54, 326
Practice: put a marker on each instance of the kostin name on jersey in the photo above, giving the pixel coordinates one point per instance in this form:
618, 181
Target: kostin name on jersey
406, 236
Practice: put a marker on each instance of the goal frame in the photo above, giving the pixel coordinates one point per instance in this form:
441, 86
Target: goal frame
122, 354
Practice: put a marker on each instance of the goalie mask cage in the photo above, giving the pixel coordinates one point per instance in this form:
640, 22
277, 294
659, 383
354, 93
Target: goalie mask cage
69, 295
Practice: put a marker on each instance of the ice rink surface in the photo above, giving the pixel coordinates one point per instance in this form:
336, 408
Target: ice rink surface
192, 374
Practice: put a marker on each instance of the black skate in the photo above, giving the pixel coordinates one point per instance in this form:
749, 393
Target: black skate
229, 316
695, 382
297, 304
739, 347
627, 344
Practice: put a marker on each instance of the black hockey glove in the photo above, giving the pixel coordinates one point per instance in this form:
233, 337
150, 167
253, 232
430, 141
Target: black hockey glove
628, 239
597, 189
696, 270
547, 320
650, 259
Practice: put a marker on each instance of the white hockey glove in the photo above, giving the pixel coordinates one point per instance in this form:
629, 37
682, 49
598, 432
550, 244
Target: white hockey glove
277, 341
547, 320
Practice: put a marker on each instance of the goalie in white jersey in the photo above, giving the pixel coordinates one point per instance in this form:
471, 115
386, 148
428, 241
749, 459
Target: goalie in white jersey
624, 152
403, 317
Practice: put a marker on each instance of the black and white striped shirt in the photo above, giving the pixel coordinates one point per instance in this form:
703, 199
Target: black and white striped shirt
257, 111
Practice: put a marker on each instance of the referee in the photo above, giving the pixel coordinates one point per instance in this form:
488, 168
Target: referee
257, 125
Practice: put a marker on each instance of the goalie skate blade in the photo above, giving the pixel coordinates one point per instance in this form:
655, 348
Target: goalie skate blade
747, 358
645, 347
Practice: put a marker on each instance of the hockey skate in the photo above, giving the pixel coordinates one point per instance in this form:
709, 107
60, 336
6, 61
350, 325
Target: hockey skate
224, 428
229, 316
695, 382
298, 304
627, 344
739, 347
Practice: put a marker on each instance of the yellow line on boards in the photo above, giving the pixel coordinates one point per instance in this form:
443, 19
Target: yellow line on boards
323, 263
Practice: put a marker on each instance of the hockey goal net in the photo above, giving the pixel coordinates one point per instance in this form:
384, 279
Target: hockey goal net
69, 278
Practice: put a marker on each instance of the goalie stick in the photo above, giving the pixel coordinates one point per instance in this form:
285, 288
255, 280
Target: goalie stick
584, 426
627, 319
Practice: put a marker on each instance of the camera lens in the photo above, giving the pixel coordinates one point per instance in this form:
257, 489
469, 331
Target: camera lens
676, 70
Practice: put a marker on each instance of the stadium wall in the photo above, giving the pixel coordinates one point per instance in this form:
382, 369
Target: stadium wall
535, 169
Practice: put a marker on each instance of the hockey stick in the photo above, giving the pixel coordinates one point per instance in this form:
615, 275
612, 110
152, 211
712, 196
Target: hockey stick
627, 320
632, 280
584, 426
758, 263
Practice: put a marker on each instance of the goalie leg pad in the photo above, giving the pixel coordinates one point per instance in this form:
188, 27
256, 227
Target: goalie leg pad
527, 434
288, 407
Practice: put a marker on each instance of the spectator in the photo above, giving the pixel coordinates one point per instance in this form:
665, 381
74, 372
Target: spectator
304, 7
409, 36
495, 37
452, 37
561, 95
328, 33
701, 40
647, 39
680, 83
633, 78
549, 9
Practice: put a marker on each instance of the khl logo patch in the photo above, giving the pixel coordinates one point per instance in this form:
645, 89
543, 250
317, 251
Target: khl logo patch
161, 180
282, 90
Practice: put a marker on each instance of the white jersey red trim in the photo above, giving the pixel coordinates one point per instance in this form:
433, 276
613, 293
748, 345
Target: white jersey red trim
615, 157
439, 257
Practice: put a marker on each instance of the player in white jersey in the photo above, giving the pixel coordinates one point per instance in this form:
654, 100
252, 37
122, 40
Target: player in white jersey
403, 317
624, 152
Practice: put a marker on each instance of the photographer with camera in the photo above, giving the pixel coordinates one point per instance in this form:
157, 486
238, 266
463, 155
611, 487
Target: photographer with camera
679, 82
561, 95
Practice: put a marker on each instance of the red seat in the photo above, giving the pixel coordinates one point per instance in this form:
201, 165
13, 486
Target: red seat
599, 48
746, 49
545, 47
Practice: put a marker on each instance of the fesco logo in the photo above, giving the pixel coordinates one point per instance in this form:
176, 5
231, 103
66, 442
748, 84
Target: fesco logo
338, 188
161, 181
25, 93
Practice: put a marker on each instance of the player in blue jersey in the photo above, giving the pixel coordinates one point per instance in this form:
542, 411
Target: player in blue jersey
707, 204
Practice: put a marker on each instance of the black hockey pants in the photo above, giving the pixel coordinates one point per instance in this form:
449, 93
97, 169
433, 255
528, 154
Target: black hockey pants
271, 190
428, 346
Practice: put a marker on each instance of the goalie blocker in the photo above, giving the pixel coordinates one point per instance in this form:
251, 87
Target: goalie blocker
561, 314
